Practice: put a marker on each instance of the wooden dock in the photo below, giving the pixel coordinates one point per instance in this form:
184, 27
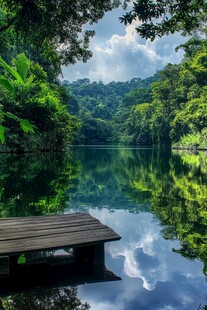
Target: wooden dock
39, 233
37, 239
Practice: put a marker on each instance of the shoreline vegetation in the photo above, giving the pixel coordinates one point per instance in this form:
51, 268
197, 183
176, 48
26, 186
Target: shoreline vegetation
189, 148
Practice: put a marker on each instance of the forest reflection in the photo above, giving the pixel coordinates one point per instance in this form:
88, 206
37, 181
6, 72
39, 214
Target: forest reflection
35, 184
48, 299
170, 185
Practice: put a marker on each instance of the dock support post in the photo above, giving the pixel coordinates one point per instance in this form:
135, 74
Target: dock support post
92, 257
99, 259
4, 266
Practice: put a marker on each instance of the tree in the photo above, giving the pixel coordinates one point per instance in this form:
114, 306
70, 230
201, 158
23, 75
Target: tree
166, 16
138, 125
192, 119
93, 130
51, 30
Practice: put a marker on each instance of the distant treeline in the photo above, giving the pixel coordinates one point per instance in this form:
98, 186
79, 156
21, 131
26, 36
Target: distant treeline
169, 108
102, 108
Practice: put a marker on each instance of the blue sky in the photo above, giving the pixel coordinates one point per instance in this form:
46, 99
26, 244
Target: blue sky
120, 54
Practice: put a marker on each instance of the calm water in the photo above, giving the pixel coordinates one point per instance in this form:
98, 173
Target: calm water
157, 202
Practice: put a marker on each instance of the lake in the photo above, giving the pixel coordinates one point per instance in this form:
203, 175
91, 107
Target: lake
156, 200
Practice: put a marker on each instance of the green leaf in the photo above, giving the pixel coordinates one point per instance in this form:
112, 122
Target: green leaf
6, 84
25, 125
2, 137
21, 260
30, 80
22, 65
12, 71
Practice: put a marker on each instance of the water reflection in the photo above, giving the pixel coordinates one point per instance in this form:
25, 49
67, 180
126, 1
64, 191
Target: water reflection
54, 269
182, 209
171, 186
53, 299
154, 199
35, 184
156, 182
153, 277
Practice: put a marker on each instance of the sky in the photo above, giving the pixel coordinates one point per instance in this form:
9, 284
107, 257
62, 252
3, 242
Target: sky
120, 54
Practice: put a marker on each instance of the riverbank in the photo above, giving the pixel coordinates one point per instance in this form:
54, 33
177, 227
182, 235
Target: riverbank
189, 148
192, 149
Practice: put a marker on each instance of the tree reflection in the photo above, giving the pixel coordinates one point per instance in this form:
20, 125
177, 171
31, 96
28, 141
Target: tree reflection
35, 184
172, 186
123, 177
48, 299
182, 208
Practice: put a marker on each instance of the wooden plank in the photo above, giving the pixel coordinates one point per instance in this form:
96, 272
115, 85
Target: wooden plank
46, 219
70, 216
37, 226
56, 241
19, 235
22, 233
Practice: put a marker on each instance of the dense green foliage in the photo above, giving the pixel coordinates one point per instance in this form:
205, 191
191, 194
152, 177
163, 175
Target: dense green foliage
102, 109
27, 98
167, 109
164, 17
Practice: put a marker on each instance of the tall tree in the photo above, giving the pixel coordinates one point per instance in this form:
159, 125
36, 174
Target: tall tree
52, 29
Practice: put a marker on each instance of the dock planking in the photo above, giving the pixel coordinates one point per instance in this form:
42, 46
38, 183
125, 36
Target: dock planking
39, 233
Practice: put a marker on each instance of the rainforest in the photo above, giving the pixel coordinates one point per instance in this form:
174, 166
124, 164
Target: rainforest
41, 112
131, 152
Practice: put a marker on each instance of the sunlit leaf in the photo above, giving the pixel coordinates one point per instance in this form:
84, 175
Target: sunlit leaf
26, 126
30, 80
2, 137
22, 65
21, 260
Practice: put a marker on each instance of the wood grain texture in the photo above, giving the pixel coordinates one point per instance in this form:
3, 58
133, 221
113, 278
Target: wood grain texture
25, 234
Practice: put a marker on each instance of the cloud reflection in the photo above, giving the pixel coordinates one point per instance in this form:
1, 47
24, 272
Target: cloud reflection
153, 277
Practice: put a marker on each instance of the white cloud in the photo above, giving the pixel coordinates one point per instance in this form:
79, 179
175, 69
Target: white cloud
126, 55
